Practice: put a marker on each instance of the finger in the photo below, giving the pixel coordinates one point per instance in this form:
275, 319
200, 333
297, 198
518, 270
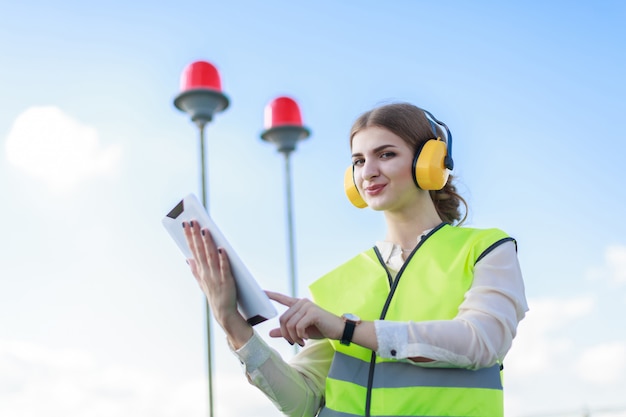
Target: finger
284, 321
302, 320
191, 229
187, 231
207, 250
282, 298
297, 325
210, 247
198, 249
194, 268
294, 321
225, 270
276, 333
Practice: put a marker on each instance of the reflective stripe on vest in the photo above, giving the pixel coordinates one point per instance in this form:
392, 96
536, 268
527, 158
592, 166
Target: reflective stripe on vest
404, 383
430, 286
395, 374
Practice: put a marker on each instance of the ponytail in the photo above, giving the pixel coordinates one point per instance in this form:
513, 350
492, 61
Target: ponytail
447, 203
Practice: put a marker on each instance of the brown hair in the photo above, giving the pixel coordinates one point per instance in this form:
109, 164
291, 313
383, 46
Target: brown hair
410, 123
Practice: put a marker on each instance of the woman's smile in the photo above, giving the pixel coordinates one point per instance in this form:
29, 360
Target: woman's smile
375, 189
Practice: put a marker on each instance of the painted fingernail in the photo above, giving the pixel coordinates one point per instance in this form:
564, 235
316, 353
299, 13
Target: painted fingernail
219, 250
202, 232
291, 343
183, 225
191, 223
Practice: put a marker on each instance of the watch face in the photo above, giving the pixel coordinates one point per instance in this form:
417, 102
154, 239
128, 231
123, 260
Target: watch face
351, 317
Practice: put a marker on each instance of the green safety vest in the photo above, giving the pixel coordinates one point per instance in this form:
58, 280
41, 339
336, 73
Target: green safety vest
431, 285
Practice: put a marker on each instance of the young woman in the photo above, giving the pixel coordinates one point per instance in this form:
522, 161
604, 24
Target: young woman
416, 326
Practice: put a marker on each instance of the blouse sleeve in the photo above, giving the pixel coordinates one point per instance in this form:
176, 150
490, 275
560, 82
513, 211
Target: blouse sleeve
483, 330
297, 387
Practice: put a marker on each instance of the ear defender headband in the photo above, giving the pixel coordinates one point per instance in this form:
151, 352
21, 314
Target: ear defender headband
431, 165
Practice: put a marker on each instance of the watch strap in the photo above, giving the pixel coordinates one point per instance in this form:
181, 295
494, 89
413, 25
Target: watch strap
348, 332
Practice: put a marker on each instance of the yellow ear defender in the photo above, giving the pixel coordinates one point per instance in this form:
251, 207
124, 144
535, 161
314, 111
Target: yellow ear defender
351, 191
429, 171
431, 166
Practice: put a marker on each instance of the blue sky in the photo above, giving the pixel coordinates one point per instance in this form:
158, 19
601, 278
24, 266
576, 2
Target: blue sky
99, 315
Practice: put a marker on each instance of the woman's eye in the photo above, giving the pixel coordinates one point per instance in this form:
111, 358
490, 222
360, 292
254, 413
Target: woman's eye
387, 155
358, 162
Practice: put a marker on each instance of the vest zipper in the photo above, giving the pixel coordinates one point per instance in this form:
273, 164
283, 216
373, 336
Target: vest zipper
393, 284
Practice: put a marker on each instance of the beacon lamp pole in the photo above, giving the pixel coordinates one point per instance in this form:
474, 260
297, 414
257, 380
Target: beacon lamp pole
283, 128
201, 97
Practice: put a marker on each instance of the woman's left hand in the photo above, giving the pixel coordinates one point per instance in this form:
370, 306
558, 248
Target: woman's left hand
305, 320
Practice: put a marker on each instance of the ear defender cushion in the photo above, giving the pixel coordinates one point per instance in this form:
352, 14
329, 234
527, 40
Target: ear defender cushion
429, 171
350, 188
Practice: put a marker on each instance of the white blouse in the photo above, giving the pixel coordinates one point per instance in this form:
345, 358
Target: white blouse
479, 336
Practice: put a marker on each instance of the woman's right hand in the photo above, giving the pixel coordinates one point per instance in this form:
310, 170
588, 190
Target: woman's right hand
211, 268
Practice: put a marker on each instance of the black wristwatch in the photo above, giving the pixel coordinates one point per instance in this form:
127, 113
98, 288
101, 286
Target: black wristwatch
351, 321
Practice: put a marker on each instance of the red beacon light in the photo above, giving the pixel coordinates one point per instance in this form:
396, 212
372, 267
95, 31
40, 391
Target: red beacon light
200, 74
282, 111
283, 124
201, 92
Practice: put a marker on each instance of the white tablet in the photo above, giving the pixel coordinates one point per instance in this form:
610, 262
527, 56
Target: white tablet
252, 301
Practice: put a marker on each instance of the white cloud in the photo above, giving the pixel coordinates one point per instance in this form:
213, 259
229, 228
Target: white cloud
615, 257
41, 381
614, 268
603, 364
538, 342
58, 150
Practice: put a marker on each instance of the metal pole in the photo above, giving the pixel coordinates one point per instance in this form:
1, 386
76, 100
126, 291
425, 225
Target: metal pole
292, 258
290, 239
205, 183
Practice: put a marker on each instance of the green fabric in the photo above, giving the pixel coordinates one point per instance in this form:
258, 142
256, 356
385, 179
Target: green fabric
418, 401
431, 286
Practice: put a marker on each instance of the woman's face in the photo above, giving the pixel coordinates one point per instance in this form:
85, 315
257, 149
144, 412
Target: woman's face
382, 169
